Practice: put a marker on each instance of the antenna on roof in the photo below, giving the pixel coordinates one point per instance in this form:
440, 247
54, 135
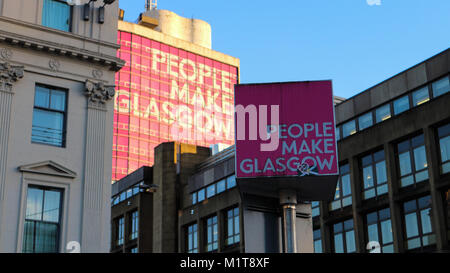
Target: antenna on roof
151, 4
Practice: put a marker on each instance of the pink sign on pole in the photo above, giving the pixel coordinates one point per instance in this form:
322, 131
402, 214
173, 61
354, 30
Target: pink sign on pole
285, 130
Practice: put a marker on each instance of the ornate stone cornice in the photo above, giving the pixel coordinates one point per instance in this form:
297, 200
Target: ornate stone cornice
8, 75
98, 93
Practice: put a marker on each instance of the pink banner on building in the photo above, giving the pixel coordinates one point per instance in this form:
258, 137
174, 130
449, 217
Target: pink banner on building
285, 129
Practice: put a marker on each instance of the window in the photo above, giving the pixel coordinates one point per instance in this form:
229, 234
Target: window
194, 198
221, 186
42, 220
344, 237
365, 121
349, 128
441, 86
56, 14
201, 195
49, 116
232, 227
420, 96
379, 229
231, 182
211, 191
317, 241
444, 144
120, 228
401, 105
338, 133
134, 250
211, 234
134, 225
383, 113
412, 161
419, 231
342, 197
374, 175
315, 207
192, 239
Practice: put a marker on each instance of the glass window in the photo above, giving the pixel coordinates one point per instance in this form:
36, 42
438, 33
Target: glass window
42, 220
420, 96
379, 229
120, 230
383, 113
56, 14
444, 145
315, 208
338, 133
365, 121
401, 105
374, 175
232, 227
344, 237
134, 225
194, 198
231, 182
134, 250
441, 86
49, 116
412, 161
201, 195
211, 191
343, 195
317, 241
192, 239
349, 128
211, 234
417, 220
221, 186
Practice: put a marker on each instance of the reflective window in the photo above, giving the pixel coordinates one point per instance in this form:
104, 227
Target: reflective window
379, 229
441, 86
365, 121
120, 231
401, 105
412, 161
211, 234
232, 227
444, 145
374, 175
343, 195
201, 195
42, 220
194, 198
315, 208
134, 225
56, 14
383, 113
231, 182
192, 239
49, 116
134, 250
418, 228
348, 128
338, 133
344, 237
420, 96
221, 186
211, 191
317, 241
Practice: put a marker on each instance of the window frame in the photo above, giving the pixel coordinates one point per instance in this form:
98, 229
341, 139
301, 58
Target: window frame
418, 215
134, 225
378, 223
344, 232
70, 19
412, 161
214, 244
373, 165
339, 186
439, 138
234, 234
194, 234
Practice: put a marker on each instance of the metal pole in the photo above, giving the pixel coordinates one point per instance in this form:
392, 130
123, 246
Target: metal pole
288, 202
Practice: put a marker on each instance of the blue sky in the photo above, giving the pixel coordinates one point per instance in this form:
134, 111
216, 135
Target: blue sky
355, 44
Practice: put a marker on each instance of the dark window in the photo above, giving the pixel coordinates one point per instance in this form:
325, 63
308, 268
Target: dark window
56, 14
42, 220
211, 234
379, 229
343, 195
192, 238
232, 227
134, 250
374, 175
317, 241
383, 113
49, 116
349, 129
344, 237
134, 225
412, 161
441, 86
420, 96
418, 228
444, 144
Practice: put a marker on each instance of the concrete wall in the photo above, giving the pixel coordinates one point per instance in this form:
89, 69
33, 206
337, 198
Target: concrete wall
83, 167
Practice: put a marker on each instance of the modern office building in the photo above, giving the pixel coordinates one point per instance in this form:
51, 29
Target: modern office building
57, 69
174, 87
393, 193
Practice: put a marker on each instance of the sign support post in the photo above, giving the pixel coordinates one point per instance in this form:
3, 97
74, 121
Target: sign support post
288, 202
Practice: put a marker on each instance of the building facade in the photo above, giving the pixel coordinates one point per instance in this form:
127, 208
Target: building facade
172, 88
57, 68
392, 195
